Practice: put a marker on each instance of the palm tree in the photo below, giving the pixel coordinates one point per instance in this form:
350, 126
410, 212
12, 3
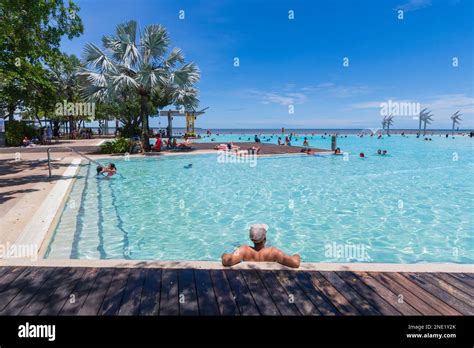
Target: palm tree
384, 123
422, 114
426, 120
140, 67
389, 122
456, 117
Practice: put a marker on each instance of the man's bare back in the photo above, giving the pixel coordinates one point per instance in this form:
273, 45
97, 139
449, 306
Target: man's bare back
270, 254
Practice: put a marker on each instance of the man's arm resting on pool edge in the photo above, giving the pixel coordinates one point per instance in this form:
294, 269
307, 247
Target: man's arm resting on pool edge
286, 260
231, 259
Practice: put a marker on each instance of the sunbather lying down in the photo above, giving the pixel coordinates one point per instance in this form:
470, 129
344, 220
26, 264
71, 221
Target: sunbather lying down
259, 252
185, 145
227, 147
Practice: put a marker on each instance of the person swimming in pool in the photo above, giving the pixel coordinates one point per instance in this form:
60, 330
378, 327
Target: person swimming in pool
362, 155
259, 252
110, 170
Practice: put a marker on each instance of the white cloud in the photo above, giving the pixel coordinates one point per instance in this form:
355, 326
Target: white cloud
337, 90
439, 103
279, 98
292, 94
413, 5
449, 102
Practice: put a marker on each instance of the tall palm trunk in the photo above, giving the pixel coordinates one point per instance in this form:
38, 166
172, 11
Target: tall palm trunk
419, 125
452, 133
424, 129
144, 116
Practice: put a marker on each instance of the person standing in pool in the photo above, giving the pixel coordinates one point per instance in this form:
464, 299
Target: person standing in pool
259, 252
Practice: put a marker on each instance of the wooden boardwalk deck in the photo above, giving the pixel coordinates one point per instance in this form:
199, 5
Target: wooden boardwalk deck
154, 291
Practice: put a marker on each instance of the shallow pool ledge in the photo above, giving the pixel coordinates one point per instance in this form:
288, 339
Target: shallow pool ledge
305, 266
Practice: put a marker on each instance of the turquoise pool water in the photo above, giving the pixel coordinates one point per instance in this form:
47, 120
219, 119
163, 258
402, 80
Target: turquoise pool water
415, 205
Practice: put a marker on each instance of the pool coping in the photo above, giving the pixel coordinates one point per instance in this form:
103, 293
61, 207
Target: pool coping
216, 265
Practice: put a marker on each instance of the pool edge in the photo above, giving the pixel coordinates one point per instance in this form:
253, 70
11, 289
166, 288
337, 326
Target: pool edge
305, 266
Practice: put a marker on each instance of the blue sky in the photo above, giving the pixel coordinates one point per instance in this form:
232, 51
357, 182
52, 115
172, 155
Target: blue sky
298, 63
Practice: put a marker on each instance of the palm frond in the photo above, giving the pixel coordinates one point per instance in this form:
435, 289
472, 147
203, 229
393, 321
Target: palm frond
96, 59
185, 76
176, 56
123, 46
122, 81
154, 41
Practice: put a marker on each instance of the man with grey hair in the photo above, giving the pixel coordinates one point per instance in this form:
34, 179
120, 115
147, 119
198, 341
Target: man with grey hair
260, 253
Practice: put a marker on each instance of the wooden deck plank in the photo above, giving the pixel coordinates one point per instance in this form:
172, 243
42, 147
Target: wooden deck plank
11, 277
79, 294
337, 299
224, 296
348, 292
61, 294
21, 282
259, 293
114, 295
299, 298
188, 302
38, 302
242, 294
280, 297
449, 288
465, 284
150, 302
169, 304
133, 292
404, 294
96, 294
5, 270
322, 303
205, 293
391, 297
34, 285
453, 302
369, 294
431, 300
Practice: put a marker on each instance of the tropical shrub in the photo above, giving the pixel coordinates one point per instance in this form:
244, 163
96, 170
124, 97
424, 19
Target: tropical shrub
15, 131
119, 145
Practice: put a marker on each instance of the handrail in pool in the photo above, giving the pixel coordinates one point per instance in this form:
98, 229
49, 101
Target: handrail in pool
69, 148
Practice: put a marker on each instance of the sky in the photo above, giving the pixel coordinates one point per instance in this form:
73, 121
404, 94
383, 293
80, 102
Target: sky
311, 64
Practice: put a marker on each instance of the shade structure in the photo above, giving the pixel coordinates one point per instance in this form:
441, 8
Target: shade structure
190, 115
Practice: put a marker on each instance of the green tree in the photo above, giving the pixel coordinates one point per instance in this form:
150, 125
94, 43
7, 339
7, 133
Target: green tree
30, 36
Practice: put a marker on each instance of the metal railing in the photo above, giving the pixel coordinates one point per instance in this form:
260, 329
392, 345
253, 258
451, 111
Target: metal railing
69, 148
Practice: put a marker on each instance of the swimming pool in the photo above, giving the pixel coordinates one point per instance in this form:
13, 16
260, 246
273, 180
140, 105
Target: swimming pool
415, 205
